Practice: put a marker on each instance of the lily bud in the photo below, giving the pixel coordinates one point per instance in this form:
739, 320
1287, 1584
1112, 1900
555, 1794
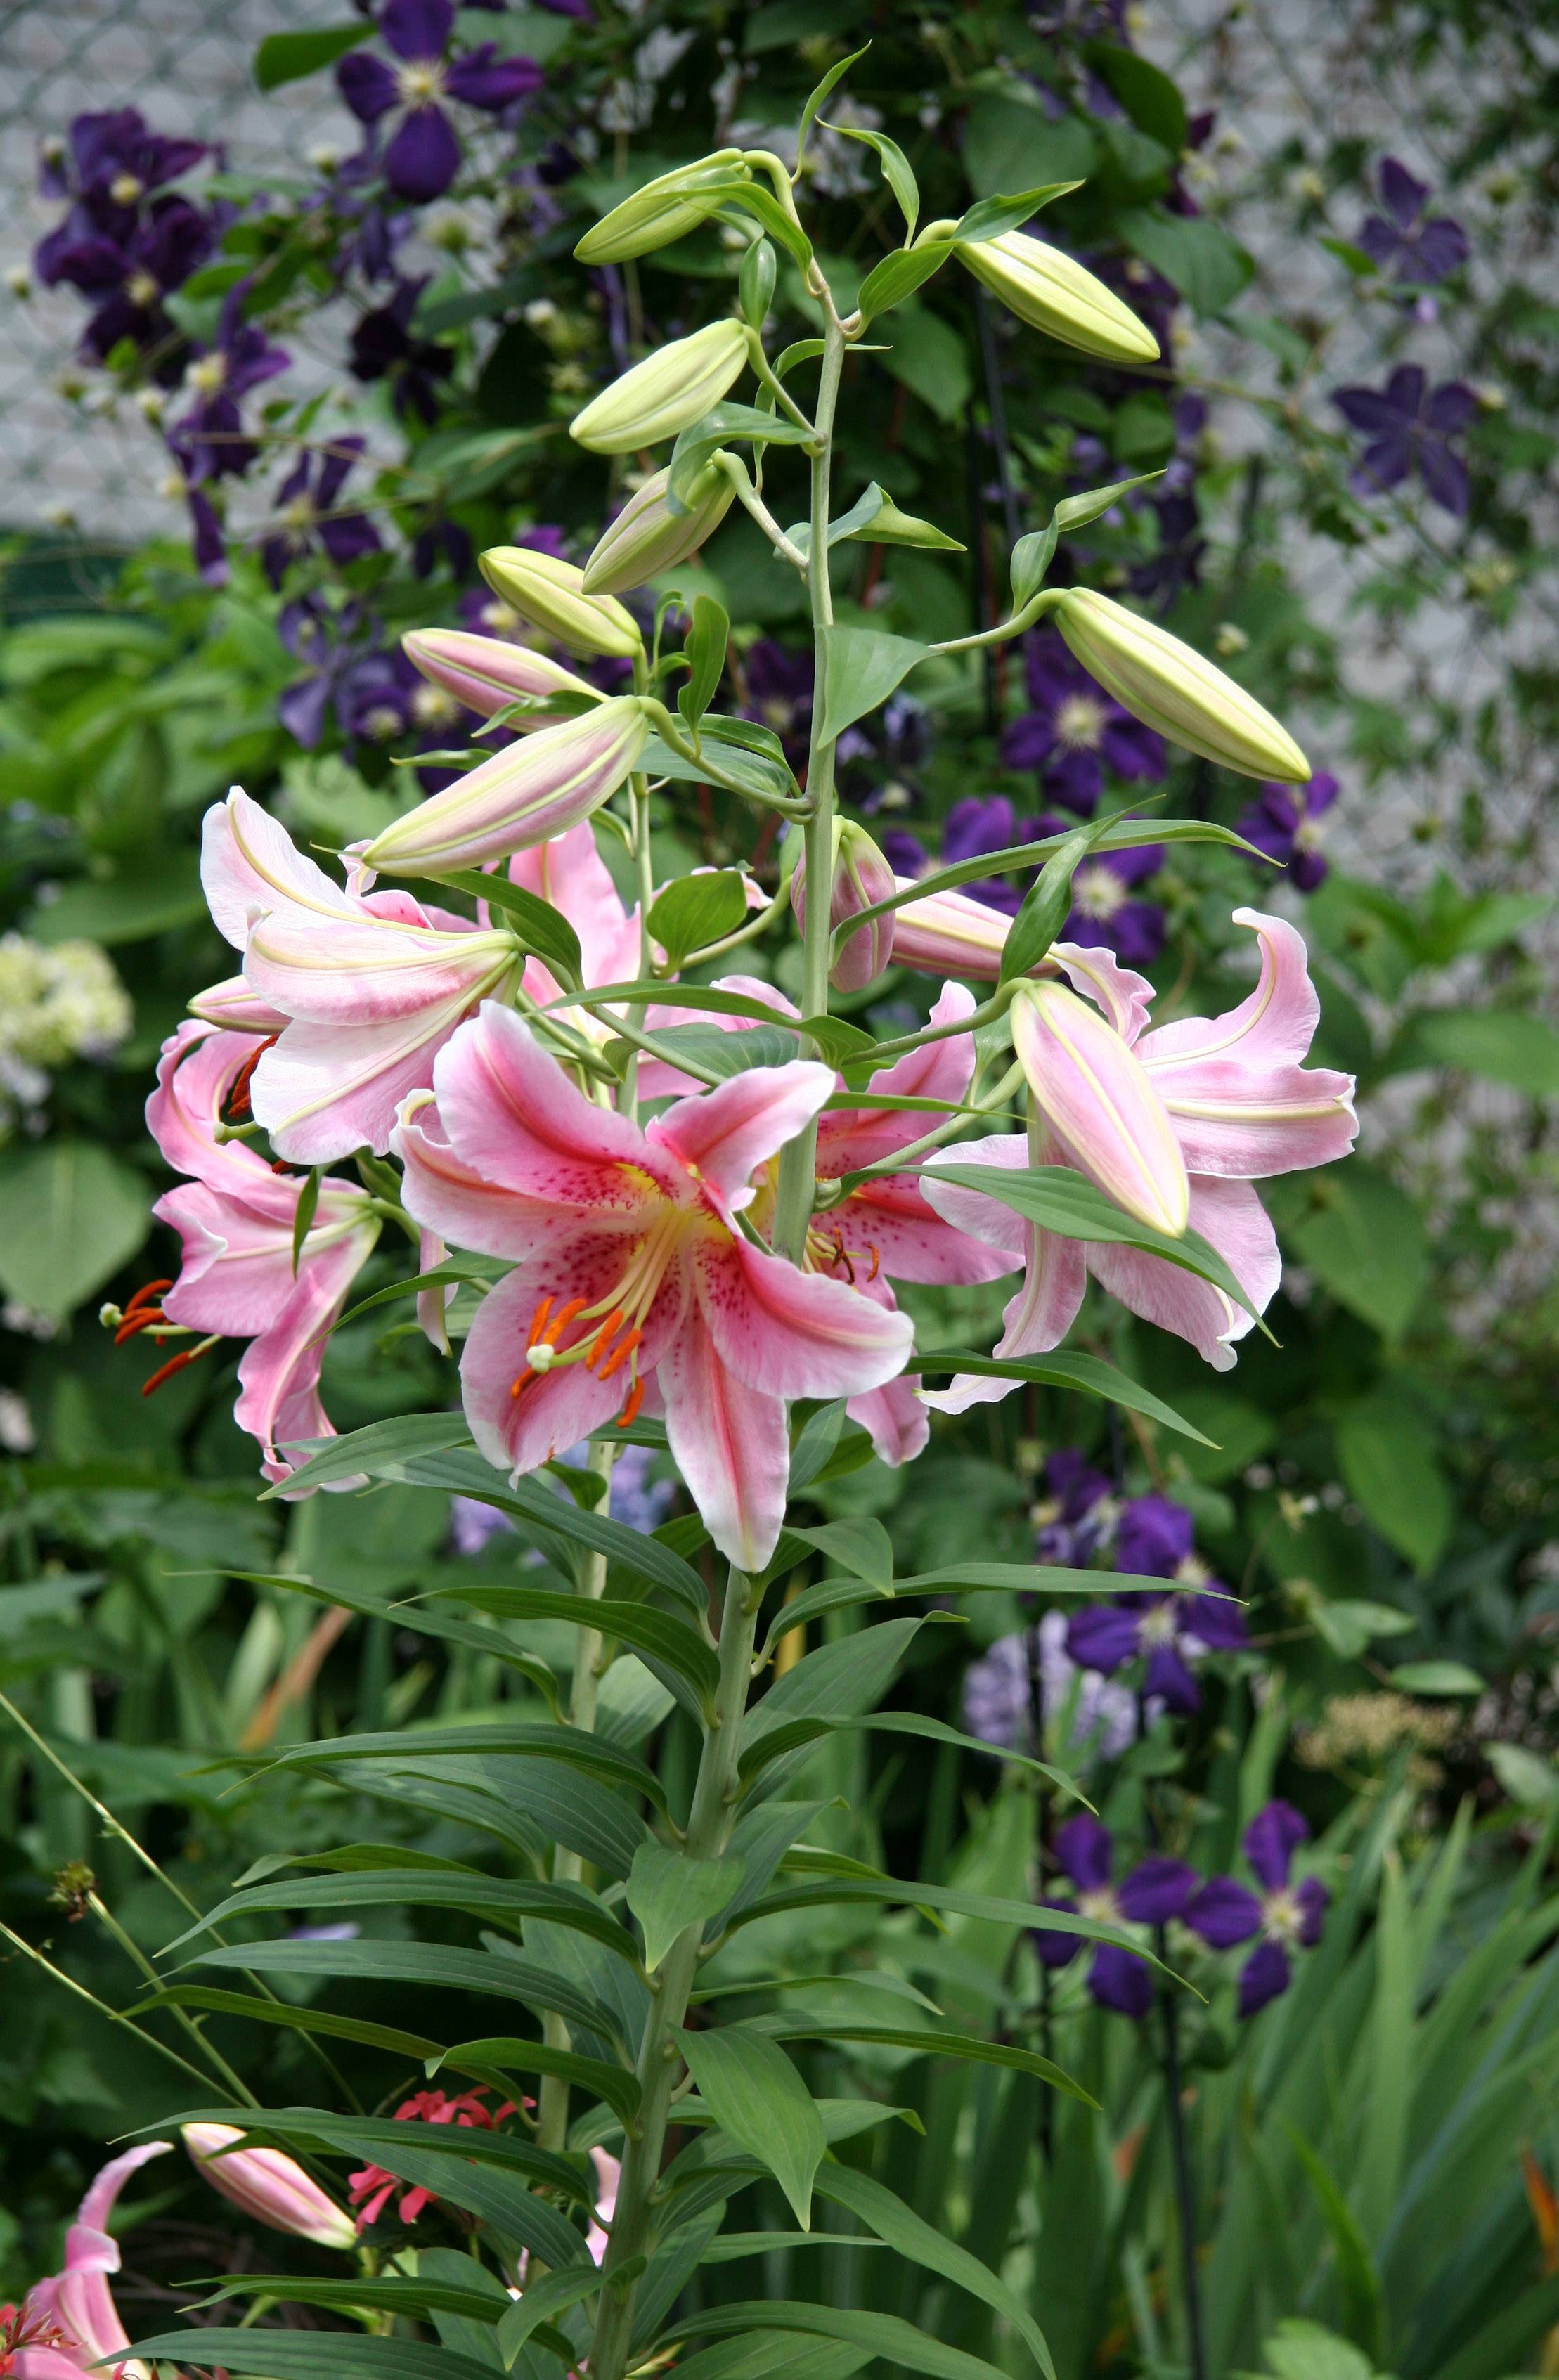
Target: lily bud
1054, 294
1168, 685
237, 1008
486, 672
1098, 1100
269, 2185
522, 795
550, 592
648, 537
948, 933
662, 210
861, 878
664, 394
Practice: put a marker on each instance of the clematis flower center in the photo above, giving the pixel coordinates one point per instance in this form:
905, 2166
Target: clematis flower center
1282, 1918
420, 82
1099, 1904
1098, 891
1191, 1570
382, 724
207, 373
500, 619
298, 516
126, 188
1080, 721
1160, 1625
140, 288
432, 707
1309, 834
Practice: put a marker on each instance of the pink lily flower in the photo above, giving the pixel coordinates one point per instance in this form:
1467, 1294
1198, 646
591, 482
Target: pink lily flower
237, 1007
570, 873
69, 2323
633, 1276
368, 989
1241, 1105
268, 2185
236, 1218
608, 2174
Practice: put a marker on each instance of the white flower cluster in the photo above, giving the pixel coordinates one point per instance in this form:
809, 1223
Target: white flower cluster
57, 1002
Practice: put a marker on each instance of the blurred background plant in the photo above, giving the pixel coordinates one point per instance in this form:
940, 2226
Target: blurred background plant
354, 372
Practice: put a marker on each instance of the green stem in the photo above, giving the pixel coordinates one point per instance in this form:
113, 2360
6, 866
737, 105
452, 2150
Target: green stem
187, 2023
797, 1163
660, 2064
945, 1130
552, 2121
115, 2016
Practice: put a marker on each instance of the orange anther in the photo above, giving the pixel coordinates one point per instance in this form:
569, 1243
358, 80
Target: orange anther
560, 1321
144, 1319
876, 1261
538, 1324
603, 1339
620, 1353
635, 1399
175, 1364
148, 1292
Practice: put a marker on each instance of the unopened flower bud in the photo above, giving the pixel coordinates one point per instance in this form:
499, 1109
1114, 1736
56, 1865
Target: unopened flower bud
268, 2185
487, 672
666, 393
662, 210
948, 933
1099, 1102
861, 879
1169, 687
550, 592
1054, 294
647, 536
522, 795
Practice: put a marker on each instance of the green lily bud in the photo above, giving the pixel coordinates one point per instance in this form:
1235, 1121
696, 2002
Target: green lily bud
861, 878
647, 536
1054, 294
662, 210
666, 393
552, 593
1169, 687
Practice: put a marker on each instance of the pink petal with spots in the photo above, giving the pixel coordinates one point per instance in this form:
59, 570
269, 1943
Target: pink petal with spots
512, 1114
464, 1208
794, 1334
731, 1445
728, 1132
849, 1138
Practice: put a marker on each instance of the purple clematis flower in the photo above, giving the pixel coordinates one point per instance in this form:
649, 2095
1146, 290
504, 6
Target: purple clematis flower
127, 263
423, 156
1073, 730
1074, 1514
307, 513
206, 537
779, 688
385, 347
983, 822
1409, 428
998, 1709
116, 156
1287, 1917
1401, 241
384, 698
1169, 1631
1153, 1893
904, 852
1103, 915
209, 440
1286, 822
330, 645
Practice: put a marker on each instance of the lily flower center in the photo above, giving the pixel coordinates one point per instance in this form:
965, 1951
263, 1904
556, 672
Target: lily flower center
420, 82
1098, 891
298, 517
605, 1336
827, 1251
1080, 721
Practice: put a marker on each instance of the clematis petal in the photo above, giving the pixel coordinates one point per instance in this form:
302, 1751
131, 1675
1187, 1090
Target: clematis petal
1119, 1980
1169, 1678
1156, 1890
1100, 1104
1224, 1913
1313, 1900
726, 1133
367, 85
1049, 1944
1229, 1216
417, 28
511, 1113
731, 1445
1271, 1841
1264, 1977
1085, 1851
424, 157
1105, 1636
793, 1334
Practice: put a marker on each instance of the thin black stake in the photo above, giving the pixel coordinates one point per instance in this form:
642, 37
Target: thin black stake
1036, 1746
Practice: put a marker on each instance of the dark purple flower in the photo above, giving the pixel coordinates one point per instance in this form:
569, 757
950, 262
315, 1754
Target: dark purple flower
127, 263
1287, 1917
1285, 822
206, 538
1169, 1631
307, 514
983, 822
1071, 1519
779, 693
1073, 730
330, 645
385, 347
1401, 242
441, 540
423, 156
1153, 1892
210, 441
1103, 915
1177, 566
904, 852
1409, 428
114, 157
383, 698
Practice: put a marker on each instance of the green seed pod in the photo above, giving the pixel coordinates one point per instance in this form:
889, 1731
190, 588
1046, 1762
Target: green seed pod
665, 209
1054, 294
1169, 687
666, 393
552, 593
647, 536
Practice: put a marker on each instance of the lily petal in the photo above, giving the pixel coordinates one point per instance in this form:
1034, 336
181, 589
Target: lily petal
1230, 1216
731, 1445
794, 1334
1100, 1104
726, 1133
511, 1112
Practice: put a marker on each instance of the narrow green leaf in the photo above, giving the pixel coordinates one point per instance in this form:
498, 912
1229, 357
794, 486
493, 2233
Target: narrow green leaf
900, 2229
361, 1450
897, 172
552, 2293
821, 95
1031, 556
308, 1202
658, 1634
1046, 905
861, 668
394, 2293
539, 926
1061, 1200
797, 1732
883, 2335
1065, 1370
214, 2002
899, 275
1358, 2280
989, 218
572, 1745
858, 1544
759, 2101
667, 1892
829, 1595
957, 1903
310, 2355
476, 1895
436, 1964
968, 2049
